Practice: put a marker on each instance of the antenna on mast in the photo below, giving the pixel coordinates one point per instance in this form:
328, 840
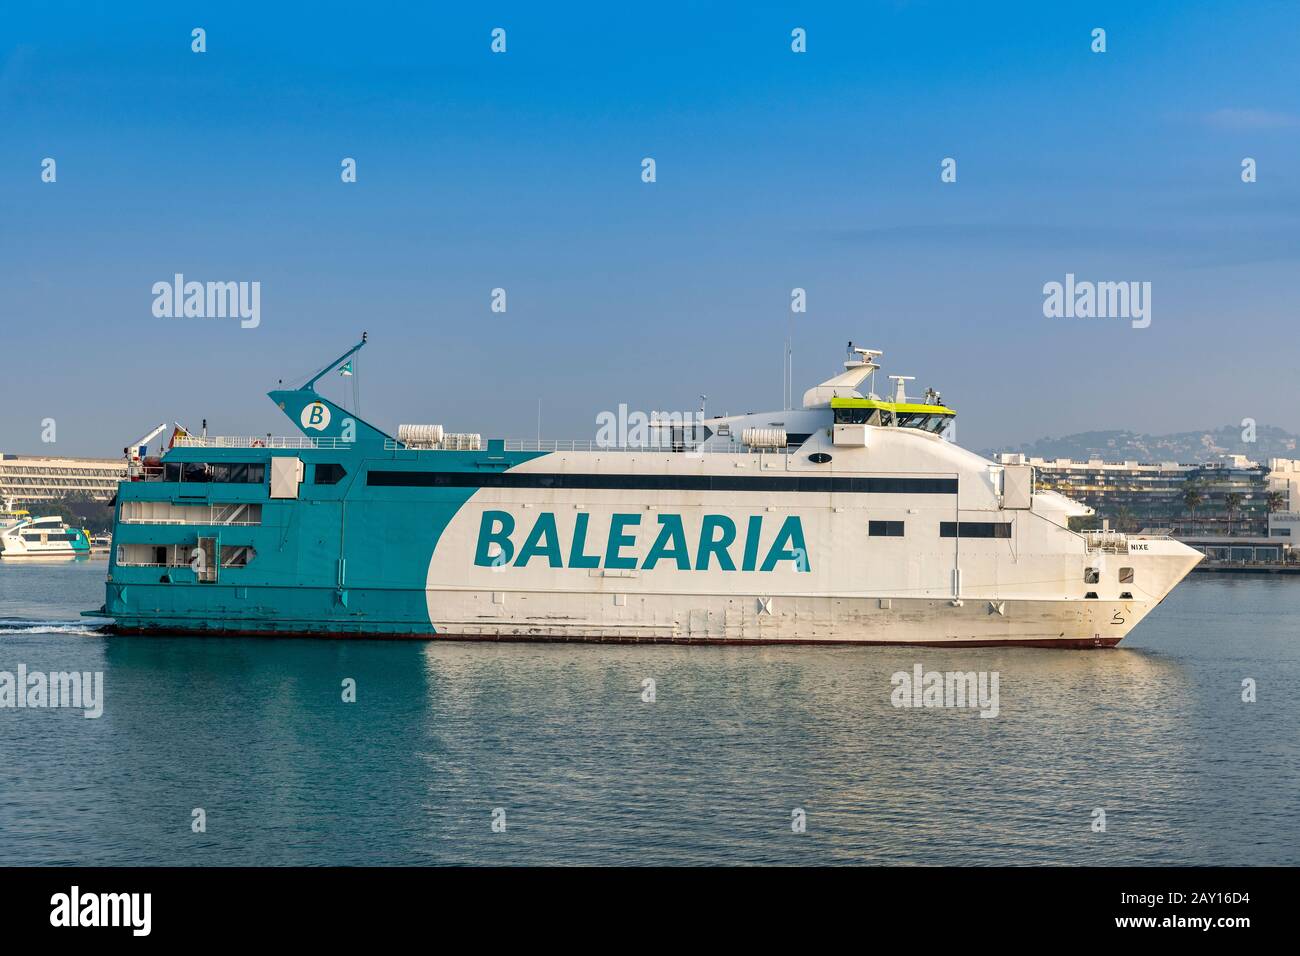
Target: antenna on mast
864, 358
900, 390
787, 376
308, 385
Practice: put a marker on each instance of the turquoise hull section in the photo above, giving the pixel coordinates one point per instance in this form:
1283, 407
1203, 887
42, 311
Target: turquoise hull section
228, 609
339, 559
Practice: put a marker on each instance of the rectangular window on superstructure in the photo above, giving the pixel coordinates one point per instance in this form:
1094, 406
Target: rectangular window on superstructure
253, 473
885, 485
885, 529
975, 529
166, 512
329, 473
242, 473
236, 555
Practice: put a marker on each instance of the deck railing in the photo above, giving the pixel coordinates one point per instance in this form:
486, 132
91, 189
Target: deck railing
510, 444
260, 441
689, 448
1117, 541
191, 521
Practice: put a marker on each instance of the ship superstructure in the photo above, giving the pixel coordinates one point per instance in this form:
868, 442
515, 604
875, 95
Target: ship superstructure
851, 519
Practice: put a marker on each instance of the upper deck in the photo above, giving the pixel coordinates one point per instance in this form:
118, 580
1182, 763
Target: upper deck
838, 431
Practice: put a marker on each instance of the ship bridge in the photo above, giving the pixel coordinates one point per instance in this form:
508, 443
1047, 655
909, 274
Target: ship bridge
843, 395
871, 411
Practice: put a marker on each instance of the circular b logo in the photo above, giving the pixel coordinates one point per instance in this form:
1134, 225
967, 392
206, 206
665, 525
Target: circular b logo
316, 415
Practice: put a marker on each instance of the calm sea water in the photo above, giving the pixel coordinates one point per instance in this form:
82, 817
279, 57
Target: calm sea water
256, 733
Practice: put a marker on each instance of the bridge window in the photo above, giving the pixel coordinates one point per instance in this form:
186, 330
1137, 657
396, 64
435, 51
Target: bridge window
857, 416
923, 420
885, 529
1091, 575
974, 529
1125, 575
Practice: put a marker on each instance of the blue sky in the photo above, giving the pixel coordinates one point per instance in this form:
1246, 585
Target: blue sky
775, 170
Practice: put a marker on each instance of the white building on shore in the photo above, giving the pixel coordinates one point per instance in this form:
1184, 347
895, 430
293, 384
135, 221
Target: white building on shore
1263, 527
30, 479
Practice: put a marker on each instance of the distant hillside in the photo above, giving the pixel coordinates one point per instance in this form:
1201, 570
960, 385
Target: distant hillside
1185, 447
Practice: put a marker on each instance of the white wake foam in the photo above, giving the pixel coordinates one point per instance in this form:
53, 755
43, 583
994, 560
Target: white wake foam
45, 627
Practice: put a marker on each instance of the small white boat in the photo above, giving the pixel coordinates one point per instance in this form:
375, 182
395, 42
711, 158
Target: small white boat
46, 537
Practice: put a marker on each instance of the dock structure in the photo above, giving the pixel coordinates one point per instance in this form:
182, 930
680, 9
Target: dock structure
1248, 567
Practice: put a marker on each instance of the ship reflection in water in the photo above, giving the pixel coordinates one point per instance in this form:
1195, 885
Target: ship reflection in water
654, 754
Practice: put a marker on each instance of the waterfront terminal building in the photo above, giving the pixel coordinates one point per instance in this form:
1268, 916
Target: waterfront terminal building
1240, 511
28, 479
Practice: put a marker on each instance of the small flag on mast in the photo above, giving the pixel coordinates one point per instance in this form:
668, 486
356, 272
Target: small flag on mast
346, 369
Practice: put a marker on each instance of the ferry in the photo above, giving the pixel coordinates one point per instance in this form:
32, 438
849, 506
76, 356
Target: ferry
47, 537
852, 519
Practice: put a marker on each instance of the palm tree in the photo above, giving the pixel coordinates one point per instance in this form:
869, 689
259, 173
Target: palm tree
1124, 518
1276, 501
1192, 499
1231, 504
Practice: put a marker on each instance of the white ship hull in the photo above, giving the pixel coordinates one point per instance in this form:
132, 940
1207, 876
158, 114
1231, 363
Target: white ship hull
726, 619
19, 554
1042, 585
